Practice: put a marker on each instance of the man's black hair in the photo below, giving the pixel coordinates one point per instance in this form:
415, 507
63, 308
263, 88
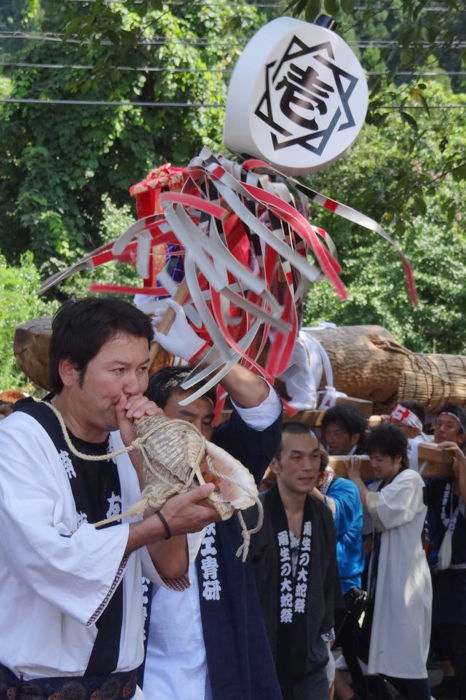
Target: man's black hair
416, 408
80, 328
294, 427
457, 411
163, 383
348, 418
389, 440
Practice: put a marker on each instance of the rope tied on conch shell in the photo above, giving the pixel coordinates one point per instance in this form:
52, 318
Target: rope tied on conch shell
137, 443
156, 495
243, 549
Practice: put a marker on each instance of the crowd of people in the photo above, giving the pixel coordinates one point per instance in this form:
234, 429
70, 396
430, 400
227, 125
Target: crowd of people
353, 588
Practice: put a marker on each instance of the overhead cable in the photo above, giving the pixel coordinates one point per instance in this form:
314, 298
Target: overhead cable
163, 41
166, 105
275, 5
164, 69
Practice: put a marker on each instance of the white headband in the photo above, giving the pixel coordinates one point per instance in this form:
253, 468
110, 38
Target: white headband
403, 415
453, 415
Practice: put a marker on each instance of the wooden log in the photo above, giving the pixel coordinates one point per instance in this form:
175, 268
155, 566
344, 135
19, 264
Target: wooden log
341, 463
363, 405
367, 364
31, 348
436, 462
313, 417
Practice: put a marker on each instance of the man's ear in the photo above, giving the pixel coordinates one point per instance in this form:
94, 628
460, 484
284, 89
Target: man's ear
354, 439
68, 373
275, 466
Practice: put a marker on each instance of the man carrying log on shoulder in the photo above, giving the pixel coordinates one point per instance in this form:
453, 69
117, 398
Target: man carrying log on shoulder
71, 610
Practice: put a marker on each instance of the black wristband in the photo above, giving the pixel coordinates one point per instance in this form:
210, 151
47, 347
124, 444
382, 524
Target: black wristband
168, 532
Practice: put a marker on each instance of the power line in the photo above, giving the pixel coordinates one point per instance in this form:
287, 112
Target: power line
427, 74
275, 5
181, 2
141, 69
403, 107
211, 69
163, 41
110, 103
168, 105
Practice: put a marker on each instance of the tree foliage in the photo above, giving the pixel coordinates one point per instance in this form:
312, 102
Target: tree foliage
65, 170
417, 34
60, 162
412, 181
18, 291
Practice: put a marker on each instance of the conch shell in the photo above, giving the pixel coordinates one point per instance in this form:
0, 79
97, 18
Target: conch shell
176, 457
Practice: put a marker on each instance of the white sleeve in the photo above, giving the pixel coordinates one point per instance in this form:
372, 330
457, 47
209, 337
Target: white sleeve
264, 415
76, 572
398, 503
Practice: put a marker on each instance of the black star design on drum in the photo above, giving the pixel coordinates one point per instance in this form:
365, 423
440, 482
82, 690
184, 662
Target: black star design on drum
306, 98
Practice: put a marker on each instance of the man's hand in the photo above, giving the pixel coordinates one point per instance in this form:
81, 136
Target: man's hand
128, 410
354, 469
190, 511
187, 512
354, 473
459, 458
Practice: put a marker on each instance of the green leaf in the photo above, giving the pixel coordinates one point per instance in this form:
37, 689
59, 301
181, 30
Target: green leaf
459, 173
297, 6
312, 10
420, 206
376, 117
347, 6
409, 120
332, 7
418, 95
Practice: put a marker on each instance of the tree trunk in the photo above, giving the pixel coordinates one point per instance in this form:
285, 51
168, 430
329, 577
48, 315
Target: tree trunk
367, 363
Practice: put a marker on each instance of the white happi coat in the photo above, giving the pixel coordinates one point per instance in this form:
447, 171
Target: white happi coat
56, 577
403, 600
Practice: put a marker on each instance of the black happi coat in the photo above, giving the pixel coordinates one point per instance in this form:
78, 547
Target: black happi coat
97, 495
449, 586
323, 587
239, 658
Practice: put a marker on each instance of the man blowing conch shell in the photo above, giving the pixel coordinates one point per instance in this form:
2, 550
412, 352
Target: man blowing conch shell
72, 601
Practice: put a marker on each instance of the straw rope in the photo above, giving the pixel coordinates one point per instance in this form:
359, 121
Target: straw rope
153, 495
243, 549
137, 443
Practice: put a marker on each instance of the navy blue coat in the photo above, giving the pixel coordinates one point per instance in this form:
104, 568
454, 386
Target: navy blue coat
239, 657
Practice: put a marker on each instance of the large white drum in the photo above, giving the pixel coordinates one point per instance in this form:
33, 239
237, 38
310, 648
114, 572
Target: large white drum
297, 97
